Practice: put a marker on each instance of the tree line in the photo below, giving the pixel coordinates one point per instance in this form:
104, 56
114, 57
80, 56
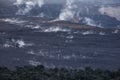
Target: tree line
41, 73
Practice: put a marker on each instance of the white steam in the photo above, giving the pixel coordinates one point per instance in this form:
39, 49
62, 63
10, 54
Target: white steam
91, 22
69, 12
28, 5
111, 11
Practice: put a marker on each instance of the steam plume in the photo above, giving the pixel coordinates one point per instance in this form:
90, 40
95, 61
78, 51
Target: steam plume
69, 12
111, 11
28, 5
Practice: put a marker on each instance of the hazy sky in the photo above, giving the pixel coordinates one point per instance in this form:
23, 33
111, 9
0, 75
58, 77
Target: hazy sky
104, 1
63, 1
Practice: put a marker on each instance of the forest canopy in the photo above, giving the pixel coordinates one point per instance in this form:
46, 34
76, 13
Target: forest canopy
42, 73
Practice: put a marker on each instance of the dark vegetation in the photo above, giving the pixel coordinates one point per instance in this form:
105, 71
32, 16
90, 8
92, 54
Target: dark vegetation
42, 73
